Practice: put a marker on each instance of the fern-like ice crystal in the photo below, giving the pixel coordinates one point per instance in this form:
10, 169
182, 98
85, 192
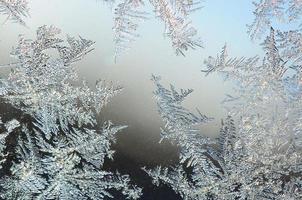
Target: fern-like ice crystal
57, 149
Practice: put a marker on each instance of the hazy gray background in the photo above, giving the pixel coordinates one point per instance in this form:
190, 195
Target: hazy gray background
218, 22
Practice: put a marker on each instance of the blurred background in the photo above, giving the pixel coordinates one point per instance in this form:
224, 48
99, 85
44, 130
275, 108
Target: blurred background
218, 22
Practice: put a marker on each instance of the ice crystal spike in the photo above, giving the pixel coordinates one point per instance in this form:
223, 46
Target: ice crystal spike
59, 150
196, 150
15, 10
126, 22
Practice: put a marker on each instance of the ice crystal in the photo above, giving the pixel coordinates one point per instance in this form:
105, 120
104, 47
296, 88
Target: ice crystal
267, 109
60, 149
9, 127
15, 10
127, 17
258, 152
180, 124
267, 10
174, 14
178, 28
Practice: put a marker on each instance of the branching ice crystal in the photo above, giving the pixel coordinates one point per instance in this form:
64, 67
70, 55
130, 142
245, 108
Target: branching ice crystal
267, 10
57, 149
258, 152
178, 28
174, 14
15, 10
127, 16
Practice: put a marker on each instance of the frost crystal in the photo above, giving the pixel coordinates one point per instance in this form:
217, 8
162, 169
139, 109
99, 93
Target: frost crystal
174, 14
178, 28
59, 147
15, 10
127, 16
258, 152
267, 10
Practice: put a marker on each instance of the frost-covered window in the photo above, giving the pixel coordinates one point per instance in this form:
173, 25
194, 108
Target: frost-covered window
234, 134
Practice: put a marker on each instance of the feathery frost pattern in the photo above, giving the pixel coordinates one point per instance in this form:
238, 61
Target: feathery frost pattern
266, 11
174, 15
59, 147
127, 18
258, 152
15, 10
178, 28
